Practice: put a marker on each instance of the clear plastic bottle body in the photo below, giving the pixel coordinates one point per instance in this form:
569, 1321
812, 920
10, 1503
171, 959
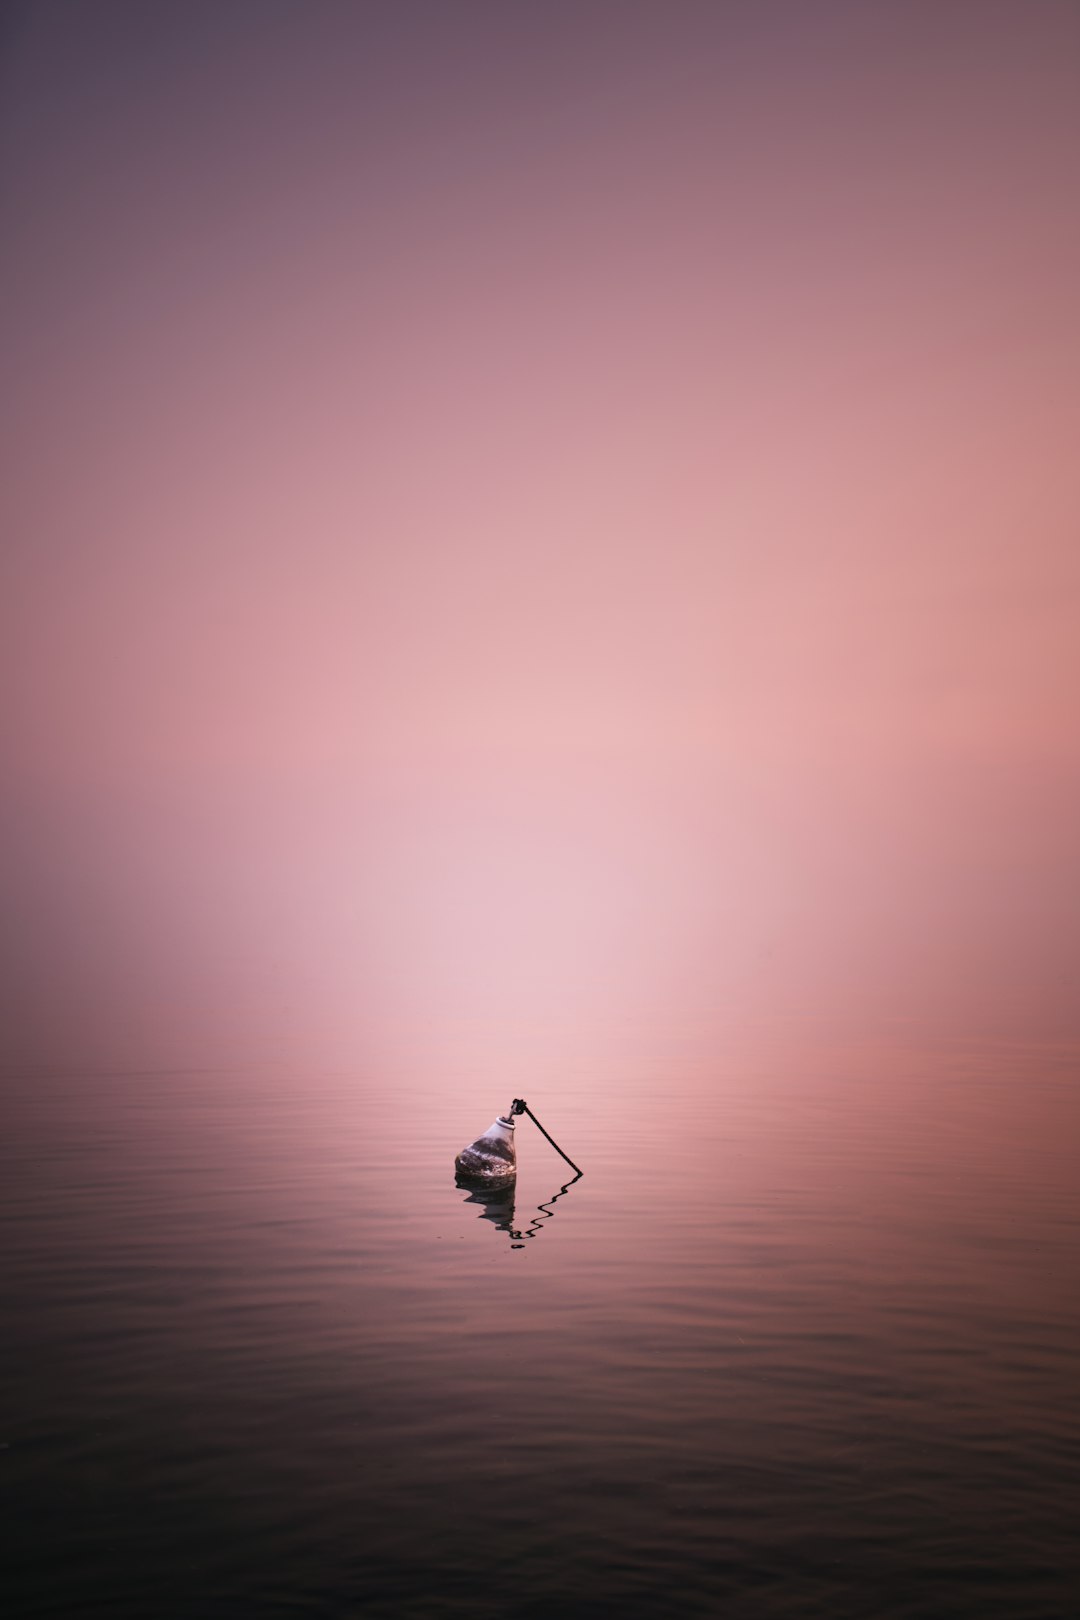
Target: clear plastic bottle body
490, 1161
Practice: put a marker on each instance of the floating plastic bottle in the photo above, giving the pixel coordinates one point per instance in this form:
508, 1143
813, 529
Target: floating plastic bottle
490, 1161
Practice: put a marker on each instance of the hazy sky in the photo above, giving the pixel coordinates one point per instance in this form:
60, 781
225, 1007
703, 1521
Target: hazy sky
494, 487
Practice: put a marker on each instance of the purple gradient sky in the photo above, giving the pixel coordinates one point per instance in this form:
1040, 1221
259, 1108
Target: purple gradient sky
520, 506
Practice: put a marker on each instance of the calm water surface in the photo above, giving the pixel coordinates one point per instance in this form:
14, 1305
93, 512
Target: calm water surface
803, 1340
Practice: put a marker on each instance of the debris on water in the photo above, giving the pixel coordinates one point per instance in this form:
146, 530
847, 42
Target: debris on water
490, 1161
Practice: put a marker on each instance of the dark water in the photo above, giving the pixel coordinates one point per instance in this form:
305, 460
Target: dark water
803, 1340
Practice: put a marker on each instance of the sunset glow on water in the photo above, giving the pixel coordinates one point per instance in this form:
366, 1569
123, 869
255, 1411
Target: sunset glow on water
540, 561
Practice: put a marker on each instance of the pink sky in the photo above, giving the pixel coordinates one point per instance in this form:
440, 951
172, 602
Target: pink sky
548, 480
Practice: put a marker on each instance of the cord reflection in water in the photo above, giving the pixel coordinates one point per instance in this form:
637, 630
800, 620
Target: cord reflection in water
497, 1206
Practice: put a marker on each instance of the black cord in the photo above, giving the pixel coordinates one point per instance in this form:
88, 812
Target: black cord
519, 1106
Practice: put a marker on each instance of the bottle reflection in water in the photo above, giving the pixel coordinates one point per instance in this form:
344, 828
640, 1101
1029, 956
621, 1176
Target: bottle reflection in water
497, 1206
